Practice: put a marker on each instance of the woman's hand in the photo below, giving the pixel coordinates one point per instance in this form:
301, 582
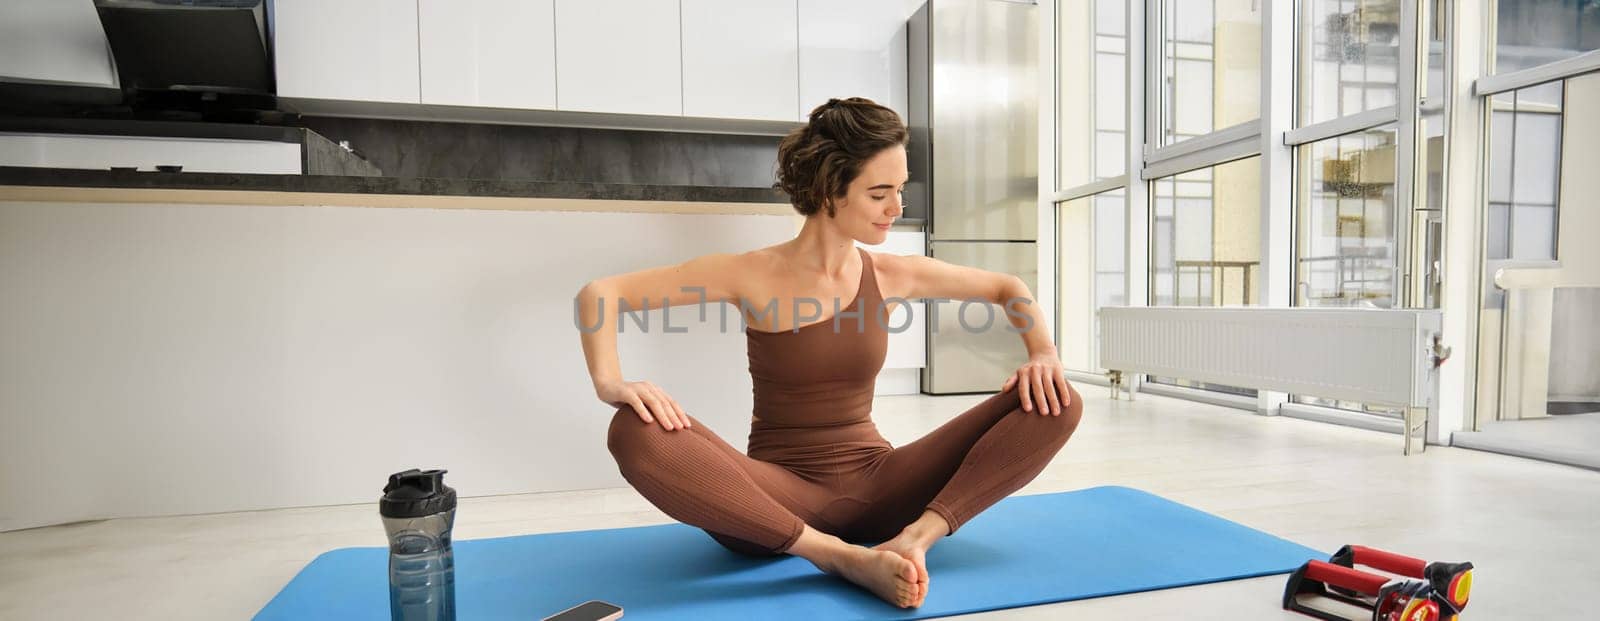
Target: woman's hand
651, 402
1043, 381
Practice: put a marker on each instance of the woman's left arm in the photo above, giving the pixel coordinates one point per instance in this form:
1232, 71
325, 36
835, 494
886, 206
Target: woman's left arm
1043, 379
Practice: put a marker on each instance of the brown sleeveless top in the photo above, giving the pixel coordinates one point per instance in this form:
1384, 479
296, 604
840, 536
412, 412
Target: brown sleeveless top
813, 384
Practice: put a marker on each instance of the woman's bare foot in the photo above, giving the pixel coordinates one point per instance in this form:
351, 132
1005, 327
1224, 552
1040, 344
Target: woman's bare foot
913, 543
886, 574
918, 557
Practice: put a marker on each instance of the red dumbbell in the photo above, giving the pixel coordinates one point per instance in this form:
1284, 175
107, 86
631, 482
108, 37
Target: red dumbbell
1451, 582
1388, 599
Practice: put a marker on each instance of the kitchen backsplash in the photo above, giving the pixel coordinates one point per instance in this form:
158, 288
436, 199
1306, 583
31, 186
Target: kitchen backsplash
483, 151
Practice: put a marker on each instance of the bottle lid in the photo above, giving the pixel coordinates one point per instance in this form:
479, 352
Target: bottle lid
416, 493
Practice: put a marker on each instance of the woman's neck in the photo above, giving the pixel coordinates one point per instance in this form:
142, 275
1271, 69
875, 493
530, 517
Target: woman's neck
821, 248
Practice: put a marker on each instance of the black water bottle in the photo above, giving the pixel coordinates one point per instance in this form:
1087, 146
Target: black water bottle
418, 511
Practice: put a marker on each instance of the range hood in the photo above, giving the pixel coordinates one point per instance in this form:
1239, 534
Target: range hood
207, 56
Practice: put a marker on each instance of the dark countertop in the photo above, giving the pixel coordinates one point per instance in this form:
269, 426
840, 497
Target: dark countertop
81, 178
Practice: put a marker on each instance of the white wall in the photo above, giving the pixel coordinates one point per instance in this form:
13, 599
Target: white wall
1579, 218
165, 359
1575, 352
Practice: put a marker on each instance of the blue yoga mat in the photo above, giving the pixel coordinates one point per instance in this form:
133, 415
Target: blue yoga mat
1023, 551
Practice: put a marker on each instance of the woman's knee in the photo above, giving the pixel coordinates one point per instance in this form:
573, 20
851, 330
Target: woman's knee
1073, 412
629, 438
1070, 414
1067, 421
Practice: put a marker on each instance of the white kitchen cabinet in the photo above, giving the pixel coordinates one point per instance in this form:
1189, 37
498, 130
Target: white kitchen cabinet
907, 348
495, 53
352, 50
740, 59
853, 49
53, 41
619, 56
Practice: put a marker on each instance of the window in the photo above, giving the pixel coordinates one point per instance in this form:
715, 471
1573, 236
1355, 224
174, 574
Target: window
1345, 243
1211, 62
1529, 33
1092, 267
1524, 172
1362, 172
1091, 83
1348, 55
1542, 155
1345, 238
1430, 177
1205, 241
1348, 181
1437, 28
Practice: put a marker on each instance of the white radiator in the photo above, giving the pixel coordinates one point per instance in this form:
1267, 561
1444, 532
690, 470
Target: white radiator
1374, 356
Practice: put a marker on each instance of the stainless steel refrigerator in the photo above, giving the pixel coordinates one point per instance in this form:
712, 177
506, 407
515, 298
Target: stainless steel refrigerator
973, 74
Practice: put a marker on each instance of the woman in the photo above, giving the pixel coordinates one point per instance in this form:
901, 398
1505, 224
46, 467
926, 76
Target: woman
818, 478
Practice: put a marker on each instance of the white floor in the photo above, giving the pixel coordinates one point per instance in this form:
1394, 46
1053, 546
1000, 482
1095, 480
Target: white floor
1532, 528
1567, 439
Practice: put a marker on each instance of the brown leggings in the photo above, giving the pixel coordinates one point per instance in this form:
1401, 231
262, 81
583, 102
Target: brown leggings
862, 496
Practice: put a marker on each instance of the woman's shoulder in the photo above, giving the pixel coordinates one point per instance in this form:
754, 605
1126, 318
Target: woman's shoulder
737, 263
890, 268
741, 274
760, 270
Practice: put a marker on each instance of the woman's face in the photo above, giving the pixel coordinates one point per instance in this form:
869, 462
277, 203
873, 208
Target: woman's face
874, 199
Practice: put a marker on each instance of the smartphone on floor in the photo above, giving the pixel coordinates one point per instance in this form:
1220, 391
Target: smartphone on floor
592, 610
